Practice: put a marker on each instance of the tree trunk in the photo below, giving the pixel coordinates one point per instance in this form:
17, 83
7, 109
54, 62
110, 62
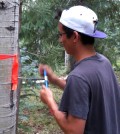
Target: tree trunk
9, 28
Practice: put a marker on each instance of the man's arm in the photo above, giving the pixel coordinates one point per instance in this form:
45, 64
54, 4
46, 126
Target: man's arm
69, 124
59, 82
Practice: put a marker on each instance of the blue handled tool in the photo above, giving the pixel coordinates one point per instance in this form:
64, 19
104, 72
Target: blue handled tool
45, 78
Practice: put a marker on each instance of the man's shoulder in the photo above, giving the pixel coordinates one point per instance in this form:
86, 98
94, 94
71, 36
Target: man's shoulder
90, 66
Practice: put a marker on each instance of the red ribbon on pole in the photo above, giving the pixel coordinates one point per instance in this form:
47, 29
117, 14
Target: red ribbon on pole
14, 77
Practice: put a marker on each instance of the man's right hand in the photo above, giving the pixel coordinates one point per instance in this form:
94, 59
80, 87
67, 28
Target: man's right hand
54, 79
50, 74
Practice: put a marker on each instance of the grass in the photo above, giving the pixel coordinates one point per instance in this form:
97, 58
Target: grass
34, 116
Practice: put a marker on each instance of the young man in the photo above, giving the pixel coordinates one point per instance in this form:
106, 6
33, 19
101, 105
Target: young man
91, 99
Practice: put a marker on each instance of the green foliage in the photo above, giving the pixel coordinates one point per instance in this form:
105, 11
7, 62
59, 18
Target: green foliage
39, 33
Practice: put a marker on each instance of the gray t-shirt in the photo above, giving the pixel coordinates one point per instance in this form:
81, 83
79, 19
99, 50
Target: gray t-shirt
92, 93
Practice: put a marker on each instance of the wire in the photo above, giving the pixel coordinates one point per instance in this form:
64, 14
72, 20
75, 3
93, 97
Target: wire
24, 78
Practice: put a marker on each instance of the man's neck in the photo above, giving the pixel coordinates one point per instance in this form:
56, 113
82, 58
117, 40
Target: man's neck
84, 52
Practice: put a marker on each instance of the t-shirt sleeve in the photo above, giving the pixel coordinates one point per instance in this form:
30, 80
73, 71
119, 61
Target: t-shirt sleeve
75, 99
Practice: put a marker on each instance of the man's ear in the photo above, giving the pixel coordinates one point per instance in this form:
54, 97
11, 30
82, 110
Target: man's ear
76, 36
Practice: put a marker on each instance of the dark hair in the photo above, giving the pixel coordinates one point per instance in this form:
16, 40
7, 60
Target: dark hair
85, 39
58, 14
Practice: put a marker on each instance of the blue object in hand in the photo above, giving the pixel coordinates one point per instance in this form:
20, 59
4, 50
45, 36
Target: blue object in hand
45, 78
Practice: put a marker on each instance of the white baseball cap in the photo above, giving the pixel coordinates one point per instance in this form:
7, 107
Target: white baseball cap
83, 20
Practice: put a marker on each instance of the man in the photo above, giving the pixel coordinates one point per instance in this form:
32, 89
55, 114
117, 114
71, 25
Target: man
91, 97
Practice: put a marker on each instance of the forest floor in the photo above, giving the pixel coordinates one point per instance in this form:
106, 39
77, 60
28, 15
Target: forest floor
34, 116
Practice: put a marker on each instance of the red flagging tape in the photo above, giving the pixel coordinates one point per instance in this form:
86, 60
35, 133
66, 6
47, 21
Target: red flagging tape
14, 77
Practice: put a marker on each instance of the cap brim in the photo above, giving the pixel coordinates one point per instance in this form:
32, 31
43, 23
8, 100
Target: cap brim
98, 34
